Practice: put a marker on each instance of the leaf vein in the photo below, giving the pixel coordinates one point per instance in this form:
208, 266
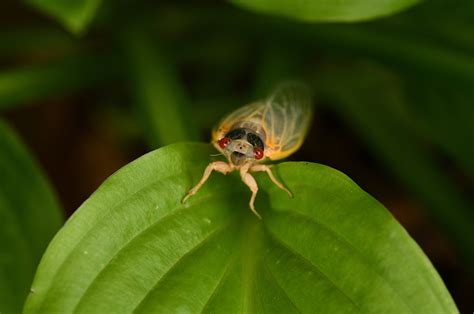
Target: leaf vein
309, 262
277, 284
171, 214
198, 246
356, 251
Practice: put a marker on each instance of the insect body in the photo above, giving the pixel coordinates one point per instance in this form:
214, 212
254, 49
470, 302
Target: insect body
273, 128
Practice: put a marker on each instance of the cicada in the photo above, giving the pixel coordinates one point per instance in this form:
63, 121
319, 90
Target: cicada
270, 129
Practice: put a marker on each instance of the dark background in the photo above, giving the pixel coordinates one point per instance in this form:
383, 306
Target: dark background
392, 95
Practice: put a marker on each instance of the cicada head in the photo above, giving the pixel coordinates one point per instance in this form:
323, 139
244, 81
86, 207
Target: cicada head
241, 145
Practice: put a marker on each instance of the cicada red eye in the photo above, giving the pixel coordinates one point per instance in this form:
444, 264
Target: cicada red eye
223, 142
258, 153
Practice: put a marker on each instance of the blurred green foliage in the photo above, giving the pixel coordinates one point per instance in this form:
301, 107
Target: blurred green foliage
403, 83
29, 217
73, 14
312, 11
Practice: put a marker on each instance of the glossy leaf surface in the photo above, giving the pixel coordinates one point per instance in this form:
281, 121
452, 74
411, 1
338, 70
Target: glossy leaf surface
132, 246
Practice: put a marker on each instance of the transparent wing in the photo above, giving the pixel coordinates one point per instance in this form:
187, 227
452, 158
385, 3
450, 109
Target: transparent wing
286, 118
282, 120
249, 116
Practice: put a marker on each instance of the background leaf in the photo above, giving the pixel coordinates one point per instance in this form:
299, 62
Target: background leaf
29, 217
160, 99
374, 105
36, 82
75, 15
133, 246
322, 10
445, 114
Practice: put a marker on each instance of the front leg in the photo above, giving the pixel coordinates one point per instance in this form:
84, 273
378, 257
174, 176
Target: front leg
268, 170
219, 166
252, 184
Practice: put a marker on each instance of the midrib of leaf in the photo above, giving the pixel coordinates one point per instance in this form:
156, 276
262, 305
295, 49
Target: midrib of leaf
278, 286
251, 241
221, 281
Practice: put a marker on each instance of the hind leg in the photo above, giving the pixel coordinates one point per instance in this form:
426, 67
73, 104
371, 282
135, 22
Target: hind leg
249, 180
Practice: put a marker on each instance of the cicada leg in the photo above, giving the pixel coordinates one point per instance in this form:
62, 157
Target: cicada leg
249, 180
218, 166
268, 170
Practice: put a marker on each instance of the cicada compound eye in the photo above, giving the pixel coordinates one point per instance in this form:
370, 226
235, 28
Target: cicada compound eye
258, 153
223, 142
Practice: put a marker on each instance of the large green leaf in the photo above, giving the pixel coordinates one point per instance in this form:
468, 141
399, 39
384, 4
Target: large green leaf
74, 14
324, 10
29, 217
132, 246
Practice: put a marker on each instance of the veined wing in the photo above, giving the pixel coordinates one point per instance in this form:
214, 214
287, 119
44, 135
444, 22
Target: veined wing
249, 116
286, 119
